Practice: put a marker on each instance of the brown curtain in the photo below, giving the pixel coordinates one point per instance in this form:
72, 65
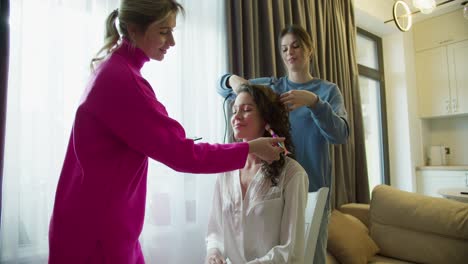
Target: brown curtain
4, 51
253, 26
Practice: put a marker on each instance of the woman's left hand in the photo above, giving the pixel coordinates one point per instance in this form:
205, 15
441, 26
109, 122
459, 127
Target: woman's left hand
297, 98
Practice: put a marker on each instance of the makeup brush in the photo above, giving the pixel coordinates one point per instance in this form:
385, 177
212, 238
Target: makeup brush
273, 134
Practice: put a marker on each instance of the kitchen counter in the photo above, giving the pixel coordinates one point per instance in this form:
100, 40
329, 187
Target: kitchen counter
430, 179
444, 167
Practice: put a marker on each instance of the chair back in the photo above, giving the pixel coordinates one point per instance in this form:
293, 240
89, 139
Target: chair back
313, 218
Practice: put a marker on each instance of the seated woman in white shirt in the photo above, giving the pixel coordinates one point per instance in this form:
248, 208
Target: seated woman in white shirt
257, 214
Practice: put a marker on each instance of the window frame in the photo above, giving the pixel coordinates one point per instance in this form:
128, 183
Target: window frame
378, 75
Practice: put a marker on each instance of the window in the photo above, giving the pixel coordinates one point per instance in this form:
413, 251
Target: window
49, 69
372, 89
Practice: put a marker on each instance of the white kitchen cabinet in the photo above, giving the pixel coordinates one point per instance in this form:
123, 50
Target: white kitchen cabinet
432, 79
441, 48
428, 182
442, 80
439, 31
458, 76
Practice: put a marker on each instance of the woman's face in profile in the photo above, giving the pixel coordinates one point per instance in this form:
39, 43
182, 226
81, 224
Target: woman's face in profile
246, 120
295, 55
157, 39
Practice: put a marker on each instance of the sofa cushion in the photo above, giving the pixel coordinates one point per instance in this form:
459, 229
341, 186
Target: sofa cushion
377, 259
331, 259
360, 211
418, 228
349, 240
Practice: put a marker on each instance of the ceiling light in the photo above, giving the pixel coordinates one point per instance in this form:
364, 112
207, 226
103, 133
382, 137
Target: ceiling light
402, 15
425, 6
465, 9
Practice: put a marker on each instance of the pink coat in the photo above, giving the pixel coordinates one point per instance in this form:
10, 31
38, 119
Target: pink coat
100, 200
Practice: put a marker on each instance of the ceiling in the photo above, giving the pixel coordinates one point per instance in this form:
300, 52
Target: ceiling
442, 9
372, 14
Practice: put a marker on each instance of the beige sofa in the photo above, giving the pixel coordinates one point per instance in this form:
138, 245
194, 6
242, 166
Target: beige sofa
407, 228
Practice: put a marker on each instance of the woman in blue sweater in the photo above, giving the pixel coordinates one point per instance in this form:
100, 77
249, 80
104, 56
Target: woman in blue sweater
318, 116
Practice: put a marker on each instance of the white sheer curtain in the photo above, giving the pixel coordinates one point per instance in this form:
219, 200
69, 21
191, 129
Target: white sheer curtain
52, 42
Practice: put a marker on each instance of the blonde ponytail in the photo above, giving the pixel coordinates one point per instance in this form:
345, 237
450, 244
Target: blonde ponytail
111, 39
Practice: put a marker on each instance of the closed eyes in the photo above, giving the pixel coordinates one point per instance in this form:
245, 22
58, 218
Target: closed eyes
242, 109
294, 46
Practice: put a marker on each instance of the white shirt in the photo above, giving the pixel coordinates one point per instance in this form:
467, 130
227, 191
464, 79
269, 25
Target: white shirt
267, 226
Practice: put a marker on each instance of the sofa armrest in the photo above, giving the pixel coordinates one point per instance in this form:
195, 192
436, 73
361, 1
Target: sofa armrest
331, 259
360, 211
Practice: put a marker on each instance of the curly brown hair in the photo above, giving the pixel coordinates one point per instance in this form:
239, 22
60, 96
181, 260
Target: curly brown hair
276, 114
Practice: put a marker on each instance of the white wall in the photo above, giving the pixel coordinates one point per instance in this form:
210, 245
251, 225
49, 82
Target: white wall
404, 127
452, 132
376, 9
408, 136
371, 14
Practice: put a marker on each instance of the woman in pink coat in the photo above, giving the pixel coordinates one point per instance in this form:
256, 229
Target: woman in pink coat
100, 200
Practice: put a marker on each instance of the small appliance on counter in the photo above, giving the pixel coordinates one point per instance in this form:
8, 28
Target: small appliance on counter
438, 155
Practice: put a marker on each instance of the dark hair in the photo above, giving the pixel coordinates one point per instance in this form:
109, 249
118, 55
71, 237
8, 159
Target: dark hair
302, 35
274, 113
140, 13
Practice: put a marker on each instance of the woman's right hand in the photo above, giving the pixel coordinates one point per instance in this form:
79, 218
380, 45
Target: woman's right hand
266, 148
215, 259
235, 82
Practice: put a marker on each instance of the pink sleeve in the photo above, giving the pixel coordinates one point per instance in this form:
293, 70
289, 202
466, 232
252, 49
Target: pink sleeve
126, 104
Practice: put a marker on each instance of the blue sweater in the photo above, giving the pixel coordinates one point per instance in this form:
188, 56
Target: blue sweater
312, 129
